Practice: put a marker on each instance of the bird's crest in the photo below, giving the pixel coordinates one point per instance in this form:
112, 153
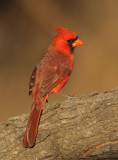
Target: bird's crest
64, 31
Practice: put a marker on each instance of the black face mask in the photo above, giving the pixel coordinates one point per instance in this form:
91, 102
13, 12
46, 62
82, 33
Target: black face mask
70, 42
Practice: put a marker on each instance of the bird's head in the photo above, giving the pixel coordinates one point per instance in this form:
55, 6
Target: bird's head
65, 40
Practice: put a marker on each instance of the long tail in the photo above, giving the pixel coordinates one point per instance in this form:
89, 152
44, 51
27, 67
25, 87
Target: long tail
32, 125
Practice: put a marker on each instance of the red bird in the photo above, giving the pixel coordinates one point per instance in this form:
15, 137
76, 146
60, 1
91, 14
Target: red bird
49, 76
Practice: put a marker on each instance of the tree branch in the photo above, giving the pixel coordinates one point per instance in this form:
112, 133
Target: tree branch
84, 127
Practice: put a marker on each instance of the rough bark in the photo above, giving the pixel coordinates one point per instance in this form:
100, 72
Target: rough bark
84, 127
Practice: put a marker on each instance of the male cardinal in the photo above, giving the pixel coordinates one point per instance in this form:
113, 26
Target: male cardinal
49, 76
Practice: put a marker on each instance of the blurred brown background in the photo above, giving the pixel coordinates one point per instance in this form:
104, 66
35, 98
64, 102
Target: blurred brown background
26, 31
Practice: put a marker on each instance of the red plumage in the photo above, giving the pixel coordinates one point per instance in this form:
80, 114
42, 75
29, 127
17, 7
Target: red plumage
49, 76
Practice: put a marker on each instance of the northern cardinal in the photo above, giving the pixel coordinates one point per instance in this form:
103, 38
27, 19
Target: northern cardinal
49, 76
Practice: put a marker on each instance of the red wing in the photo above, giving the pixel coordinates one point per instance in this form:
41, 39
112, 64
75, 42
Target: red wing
32, 80
53, 79
51, 70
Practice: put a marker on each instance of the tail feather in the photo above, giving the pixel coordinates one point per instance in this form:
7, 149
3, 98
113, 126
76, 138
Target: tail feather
32, 125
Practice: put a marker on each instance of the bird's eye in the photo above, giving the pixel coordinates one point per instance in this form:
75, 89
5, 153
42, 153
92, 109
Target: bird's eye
69, 40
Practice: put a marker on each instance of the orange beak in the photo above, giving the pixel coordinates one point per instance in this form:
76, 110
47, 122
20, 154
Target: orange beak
78, 42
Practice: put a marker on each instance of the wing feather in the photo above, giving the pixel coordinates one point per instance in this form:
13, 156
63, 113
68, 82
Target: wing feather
51, 70
32, 80
52, 81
